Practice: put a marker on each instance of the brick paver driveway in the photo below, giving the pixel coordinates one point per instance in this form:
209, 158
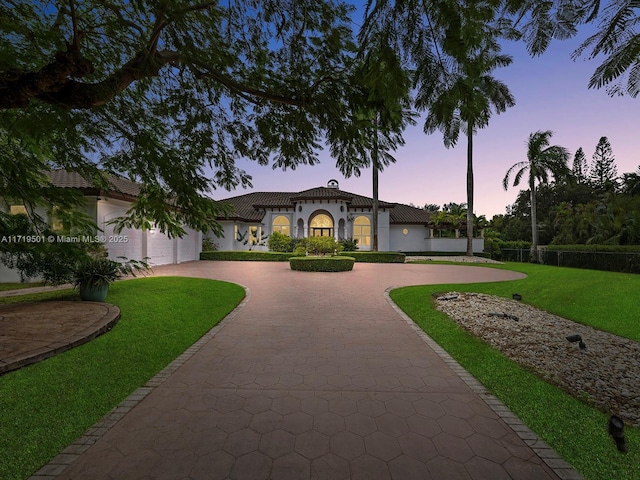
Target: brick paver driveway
316, 376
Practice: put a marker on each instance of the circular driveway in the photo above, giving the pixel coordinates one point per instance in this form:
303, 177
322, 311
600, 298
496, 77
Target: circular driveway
315, 376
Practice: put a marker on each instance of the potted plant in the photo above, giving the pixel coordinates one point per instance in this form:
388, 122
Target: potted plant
94, 274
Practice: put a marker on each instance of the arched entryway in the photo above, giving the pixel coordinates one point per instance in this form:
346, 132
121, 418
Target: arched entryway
321, 224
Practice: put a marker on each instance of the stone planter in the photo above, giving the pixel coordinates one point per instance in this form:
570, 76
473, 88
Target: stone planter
93, 294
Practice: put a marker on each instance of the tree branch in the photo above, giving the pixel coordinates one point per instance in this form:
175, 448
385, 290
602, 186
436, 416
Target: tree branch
17, 87
76, 94
247, 91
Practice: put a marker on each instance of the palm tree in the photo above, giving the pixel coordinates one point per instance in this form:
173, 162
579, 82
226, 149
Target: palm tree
631, 182
542, 161
619, 40
465, 94
381, 113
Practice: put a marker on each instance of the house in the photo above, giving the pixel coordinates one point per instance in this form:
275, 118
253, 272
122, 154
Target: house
102, 206
329, 211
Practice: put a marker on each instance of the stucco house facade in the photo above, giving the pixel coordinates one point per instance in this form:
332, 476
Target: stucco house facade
105, 205
329, 211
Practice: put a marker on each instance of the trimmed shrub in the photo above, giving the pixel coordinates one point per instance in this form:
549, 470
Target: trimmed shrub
595, 248
377, 257
322, 264
246, 256
279, 242
444, 254
349, 244
319, 245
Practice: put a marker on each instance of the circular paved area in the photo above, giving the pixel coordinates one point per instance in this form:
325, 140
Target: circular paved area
317, 376
30, 333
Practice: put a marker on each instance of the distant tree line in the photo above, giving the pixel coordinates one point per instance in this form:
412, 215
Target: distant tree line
588, 203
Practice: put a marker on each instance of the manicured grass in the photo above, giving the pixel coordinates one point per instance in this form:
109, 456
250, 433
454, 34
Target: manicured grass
45, 406
575, 430
607, 301
18, 286
66, 294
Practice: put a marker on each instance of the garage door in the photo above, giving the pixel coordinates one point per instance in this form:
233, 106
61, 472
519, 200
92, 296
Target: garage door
127, 243
188, 246
160, 248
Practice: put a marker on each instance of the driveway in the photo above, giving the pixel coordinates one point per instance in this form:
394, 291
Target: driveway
315, 376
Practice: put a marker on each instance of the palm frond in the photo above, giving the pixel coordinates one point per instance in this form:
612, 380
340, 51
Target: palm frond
518, 166
633, 82
617, 63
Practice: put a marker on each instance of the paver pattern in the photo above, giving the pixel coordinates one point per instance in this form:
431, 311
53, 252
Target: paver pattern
316, 376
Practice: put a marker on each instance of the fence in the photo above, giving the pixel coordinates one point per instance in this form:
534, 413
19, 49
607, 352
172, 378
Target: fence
626, 262
515, 254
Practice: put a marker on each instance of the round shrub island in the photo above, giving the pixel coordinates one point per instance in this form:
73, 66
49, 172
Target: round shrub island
322, 264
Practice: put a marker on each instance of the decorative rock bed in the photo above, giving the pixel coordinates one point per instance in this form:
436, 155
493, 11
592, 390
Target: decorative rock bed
605, 374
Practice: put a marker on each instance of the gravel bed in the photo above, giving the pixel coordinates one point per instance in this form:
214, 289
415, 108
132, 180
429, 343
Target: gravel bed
605, 374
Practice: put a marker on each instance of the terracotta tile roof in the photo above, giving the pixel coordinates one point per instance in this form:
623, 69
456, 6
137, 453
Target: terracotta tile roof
251, 206
405, 214
119, 185
321, 193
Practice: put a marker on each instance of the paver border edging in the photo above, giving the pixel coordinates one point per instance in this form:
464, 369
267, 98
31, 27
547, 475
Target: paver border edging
66, 457
563, 469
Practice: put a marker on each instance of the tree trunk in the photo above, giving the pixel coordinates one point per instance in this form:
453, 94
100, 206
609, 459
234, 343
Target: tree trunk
375, 165
469, 189
534, 223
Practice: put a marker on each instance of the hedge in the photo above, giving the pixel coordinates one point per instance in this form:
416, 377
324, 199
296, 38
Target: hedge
246, 256
594, 248
249, 256
445, 254
322, 264
376, 257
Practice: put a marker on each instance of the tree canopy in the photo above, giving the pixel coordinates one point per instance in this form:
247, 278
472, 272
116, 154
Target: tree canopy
169, 94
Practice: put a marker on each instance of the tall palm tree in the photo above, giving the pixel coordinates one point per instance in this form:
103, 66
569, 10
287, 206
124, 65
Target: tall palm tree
464, 95
381, 107
543, 161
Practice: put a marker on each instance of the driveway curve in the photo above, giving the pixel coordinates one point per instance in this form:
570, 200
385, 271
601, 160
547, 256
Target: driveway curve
315, 376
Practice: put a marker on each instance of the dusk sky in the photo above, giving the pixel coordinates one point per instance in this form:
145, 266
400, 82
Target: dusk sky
551, 94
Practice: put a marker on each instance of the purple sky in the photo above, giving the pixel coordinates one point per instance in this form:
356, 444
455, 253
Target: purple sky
551, 94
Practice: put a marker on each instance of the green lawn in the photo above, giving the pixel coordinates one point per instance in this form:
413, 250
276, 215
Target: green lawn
18, 286
604, 300
46, 406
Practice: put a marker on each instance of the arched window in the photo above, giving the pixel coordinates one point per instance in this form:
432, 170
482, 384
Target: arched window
281, 224
321, 225
362, 231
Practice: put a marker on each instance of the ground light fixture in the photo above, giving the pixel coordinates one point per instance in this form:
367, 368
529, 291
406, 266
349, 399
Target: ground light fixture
616, 430
577, 338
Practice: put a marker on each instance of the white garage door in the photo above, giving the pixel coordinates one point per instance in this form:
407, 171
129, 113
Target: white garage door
127, 243
160, 248
187, 246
